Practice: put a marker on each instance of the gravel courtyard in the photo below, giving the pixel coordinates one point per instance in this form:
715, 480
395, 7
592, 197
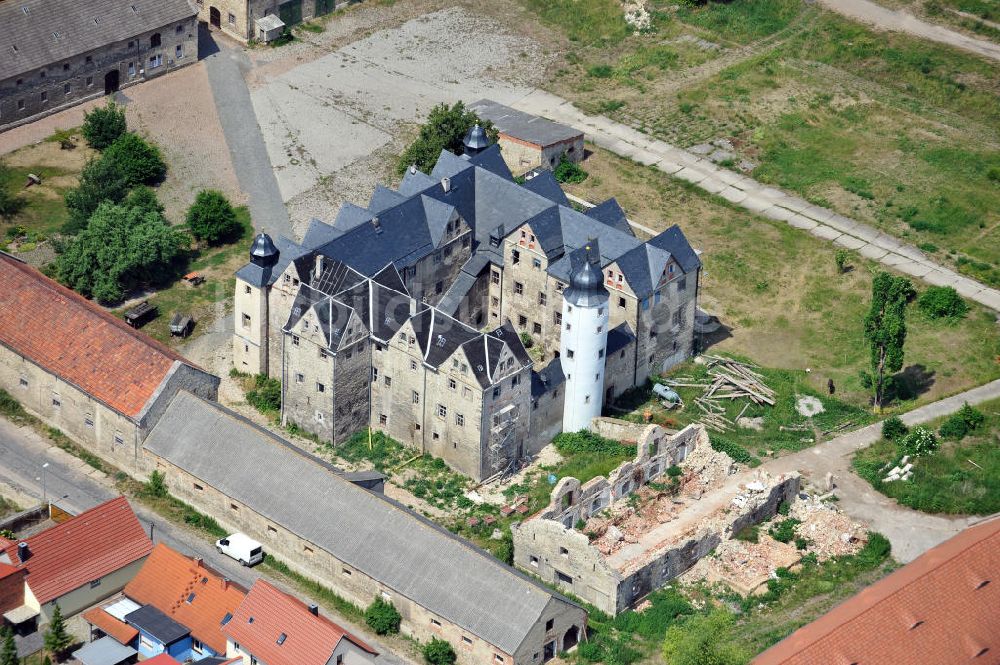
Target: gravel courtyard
332, 125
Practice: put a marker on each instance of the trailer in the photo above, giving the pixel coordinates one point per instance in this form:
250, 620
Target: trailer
141, 314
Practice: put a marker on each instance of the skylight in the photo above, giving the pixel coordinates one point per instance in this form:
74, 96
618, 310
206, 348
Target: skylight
226, 619
282, 638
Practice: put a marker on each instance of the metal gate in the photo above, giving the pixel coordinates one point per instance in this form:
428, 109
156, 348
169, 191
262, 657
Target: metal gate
290, 12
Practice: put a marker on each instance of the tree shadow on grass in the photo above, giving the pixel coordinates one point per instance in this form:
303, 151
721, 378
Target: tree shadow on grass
911, 383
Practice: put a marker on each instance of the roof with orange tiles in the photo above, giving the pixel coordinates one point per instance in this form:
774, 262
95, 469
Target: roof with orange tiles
84, 548
188, 592
940, 609
7, 570
162, 659
78, 341
119, 630
309, 639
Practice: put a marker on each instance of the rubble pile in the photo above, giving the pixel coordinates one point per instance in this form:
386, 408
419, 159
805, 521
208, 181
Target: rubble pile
829, 531
626, 521
744, 566
705, 468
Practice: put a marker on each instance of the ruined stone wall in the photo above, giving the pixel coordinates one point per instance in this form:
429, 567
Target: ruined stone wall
33, 94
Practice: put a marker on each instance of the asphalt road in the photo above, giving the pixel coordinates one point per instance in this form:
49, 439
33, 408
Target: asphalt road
76, 487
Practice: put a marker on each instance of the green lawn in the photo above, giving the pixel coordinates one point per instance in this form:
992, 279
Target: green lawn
45, 212
962, 477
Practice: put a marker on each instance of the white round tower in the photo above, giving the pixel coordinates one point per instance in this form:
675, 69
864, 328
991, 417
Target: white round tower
582, 345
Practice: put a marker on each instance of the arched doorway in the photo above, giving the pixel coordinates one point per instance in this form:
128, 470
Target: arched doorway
214, 17
111, 82
571, 637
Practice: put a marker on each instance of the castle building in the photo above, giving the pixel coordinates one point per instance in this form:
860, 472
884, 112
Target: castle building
415, 313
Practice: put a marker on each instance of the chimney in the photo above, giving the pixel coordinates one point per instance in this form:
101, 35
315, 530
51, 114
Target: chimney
225, 583
314, 610
23, 553
413, 169
199, 562
446, 184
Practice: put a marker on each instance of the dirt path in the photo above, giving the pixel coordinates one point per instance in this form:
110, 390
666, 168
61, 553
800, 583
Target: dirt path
898, 21
911, 532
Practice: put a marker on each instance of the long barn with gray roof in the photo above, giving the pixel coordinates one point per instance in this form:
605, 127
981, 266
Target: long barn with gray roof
360, 543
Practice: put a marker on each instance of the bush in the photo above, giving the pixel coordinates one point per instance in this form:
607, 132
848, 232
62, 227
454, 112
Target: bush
939, 302
894, 428
104, 125
157, 485
674, 471
439, 652
212, 218
875, 551
266, 394
140, 162
382, 617
961, 422
784, 531
840, 258
920, 441
737, 452
702, 640
568, 172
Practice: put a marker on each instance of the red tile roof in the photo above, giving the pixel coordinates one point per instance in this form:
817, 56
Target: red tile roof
119, 630
169, 578
6, 569
309, 639
84, 548
942, 608
78, 341
162, 659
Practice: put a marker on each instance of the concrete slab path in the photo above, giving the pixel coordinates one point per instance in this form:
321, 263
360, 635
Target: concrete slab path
911, 532
246, 144
756, 197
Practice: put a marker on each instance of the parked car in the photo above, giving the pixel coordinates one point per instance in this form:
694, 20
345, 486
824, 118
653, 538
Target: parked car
241, 547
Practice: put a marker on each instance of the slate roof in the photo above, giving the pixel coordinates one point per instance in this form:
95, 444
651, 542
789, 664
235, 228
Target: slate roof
619, 337
188, 592
548, 378
94, 350
524, 126
153, 621
611, 213
46, 32
545, 184
309, 639
674, 241
939, 609
84, 548
410, 555
260, 276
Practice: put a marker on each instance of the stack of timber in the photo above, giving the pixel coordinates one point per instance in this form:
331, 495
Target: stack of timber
730, 380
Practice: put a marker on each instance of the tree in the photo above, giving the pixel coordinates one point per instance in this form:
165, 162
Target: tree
10, 204
120, 249
439, 652
140, 161
885, 330
104, 125
101, 180
8, 650
382, 617
701, 640
212, 218
157, 485
445, 128
57, 640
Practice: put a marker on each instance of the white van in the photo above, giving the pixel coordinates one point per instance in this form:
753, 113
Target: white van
241, 547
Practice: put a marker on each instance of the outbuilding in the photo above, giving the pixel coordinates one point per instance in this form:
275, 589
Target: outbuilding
529, 141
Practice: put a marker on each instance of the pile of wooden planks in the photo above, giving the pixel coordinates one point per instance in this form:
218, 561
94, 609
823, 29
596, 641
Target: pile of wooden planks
730, 379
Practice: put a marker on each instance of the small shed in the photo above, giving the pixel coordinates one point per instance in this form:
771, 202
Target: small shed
181, 325
269, 27
529, 141
105, 651
141, 314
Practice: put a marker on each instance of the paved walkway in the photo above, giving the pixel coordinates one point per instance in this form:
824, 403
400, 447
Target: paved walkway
884, 18
246, 144
911, 532
756, 197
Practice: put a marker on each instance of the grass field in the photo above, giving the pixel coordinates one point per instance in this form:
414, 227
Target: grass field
962, 477
779, 295
898, 133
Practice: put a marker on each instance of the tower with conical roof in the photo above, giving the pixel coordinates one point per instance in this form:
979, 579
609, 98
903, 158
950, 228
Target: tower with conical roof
583, 339
475, 141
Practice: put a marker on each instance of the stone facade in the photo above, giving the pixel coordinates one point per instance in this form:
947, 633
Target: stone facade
238, 18
522, 156
60, 84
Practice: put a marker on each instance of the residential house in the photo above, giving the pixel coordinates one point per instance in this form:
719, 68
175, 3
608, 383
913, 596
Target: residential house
191, 605
77, 563
277, 629
98, 380
56, 55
